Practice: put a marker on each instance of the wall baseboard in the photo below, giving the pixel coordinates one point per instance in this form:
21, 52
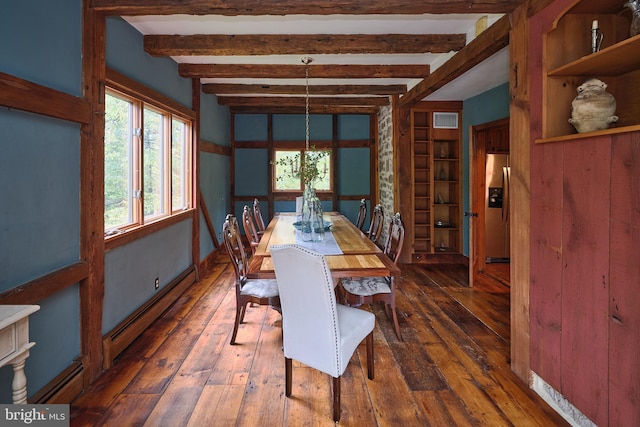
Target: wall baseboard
120, 337
207, 265
64, 388
559, 403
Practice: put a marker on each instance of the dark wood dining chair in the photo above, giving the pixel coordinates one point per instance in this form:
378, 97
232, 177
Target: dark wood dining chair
362, 214
377, 222
316, 330
248, 291
257, 216
250, 229
367, 290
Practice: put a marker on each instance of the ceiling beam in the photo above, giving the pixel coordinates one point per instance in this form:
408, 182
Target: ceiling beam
317, 109
300, 101
301, 7
482, 47
265, 89
284, 71
300, 44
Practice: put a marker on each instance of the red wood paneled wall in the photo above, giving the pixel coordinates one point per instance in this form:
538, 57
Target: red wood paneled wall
585, 261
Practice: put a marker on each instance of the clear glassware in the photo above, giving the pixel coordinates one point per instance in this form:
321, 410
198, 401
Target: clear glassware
312, 217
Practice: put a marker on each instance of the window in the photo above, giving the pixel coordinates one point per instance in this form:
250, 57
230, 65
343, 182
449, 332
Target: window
148, 157
287, 166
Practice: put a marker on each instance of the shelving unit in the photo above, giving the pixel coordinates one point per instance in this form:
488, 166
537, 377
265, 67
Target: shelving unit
420, 129
436, 173
570, 63
446, 191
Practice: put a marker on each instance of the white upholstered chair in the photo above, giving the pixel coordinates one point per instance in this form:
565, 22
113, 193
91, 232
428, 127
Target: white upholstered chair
367, 290
258, 291
316, 330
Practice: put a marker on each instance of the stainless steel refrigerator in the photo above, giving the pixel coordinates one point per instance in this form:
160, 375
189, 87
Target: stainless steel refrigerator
497, 208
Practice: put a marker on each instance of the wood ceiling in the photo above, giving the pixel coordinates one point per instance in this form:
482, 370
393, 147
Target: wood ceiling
248, 52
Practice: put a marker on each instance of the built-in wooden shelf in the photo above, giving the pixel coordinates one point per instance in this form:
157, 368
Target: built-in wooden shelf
615, 60
428, 144
566, 54
578, 136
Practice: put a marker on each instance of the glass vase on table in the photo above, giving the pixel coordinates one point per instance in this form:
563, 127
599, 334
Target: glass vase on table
312, 227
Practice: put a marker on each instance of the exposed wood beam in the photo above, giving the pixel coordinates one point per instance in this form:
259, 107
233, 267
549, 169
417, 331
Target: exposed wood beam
43, 287
300, 44
300, 101
482, 47
310, 7
315, 109
34, 98
234, 89
275, 71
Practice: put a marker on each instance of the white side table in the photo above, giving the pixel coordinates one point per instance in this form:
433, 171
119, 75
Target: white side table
15, 345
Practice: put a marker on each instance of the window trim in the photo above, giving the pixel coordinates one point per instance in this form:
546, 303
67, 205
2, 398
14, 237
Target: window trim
301, 150
146, 97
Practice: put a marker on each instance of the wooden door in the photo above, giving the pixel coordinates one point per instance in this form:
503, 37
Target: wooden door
476, 203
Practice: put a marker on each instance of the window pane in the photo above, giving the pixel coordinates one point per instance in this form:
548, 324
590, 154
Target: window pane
153, 165
178, 165
117, 162
286, 165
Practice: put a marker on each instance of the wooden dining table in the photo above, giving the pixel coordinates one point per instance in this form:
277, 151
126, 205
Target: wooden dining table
360, 256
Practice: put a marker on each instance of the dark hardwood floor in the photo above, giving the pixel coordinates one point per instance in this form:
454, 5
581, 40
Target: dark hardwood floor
452, 369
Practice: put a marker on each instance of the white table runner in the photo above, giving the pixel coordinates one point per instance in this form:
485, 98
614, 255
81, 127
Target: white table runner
328, 246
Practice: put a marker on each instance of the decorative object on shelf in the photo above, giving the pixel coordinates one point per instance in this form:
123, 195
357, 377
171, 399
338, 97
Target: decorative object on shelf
634, 6
443, 174
596, 37
440, 199
443, 151
593, 108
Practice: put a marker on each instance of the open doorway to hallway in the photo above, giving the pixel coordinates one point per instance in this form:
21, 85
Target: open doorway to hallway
489, 186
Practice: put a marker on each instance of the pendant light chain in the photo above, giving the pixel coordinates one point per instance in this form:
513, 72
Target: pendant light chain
306, 60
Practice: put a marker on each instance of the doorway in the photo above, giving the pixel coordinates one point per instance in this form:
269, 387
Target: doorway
489, 216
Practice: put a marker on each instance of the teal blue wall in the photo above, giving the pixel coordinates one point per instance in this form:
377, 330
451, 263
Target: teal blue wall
214, 170
125, 54
486, 107
251, 127
251, 164
291, 127
131, 270
353, 126
41, 41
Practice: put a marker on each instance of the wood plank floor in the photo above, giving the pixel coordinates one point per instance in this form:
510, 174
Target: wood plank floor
452, 369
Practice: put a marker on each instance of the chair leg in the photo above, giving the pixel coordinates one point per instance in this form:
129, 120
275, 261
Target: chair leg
369, 345
243, 310
336, 399
396, 324
239, 316
287, 376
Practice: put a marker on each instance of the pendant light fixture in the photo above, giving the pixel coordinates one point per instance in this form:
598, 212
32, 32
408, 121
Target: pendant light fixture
306, 60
